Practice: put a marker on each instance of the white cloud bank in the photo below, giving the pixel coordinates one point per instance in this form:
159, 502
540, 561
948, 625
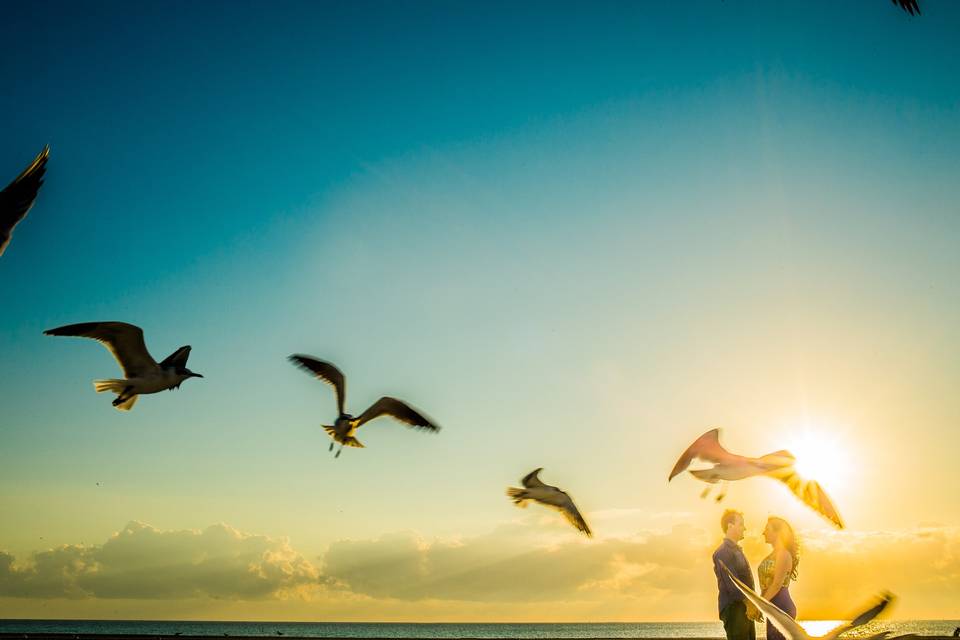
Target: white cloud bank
143, 562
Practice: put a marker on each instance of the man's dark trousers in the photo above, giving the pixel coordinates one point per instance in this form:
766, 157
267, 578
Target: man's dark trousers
735, 622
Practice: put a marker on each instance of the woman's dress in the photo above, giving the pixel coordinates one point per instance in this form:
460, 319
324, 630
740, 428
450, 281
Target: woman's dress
782, 598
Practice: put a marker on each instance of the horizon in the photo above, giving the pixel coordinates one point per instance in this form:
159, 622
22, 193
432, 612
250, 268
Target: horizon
576, 236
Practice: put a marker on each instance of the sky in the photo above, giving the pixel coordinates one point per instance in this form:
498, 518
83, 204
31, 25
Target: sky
577, 236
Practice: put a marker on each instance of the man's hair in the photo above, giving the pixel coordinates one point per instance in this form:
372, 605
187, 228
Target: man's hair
727, 518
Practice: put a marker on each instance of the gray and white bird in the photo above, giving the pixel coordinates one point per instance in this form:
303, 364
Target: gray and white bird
18, 196
141, 372
534, 489
730, 466
344, 429
791, 629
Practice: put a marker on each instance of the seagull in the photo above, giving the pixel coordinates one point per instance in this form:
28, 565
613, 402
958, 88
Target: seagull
534, 489
141, 373
345, 428
18, 196
791, 629
730, 466
908, 5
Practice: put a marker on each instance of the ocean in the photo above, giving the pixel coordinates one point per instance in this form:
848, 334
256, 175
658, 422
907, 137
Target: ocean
441, 630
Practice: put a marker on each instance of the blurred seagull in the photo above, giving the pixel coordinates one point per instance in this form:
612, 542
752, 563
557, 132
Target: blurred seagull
730, 466
908, 5
791, 629
17, 198
534, 489
345, 428
141, 372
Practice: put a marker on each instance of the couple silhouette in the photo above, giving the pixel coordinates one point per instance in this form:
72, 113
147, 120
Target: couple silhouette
775, 573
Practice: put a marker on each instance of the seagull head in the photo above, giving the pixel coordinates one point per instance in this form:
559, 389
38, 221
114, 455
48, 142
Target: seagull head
186, 373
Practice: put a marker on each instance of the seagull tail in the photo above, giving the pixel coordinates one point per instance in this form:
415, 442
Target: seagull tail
117, 386
350, 441
519, 496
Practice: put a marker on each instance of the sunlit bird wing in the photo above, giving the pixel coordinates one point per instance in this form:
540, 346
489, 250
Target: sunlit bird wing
776, 460
572, 514
532, 479
325, 371
387, 406
789, 627
882, 603
910, 6
706, 447
809, 491
18, 196
177, 359
125, 342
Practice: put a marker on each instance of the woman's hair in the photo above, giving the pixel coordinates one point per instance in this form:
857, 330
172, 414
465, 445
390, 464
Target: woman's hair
788, 539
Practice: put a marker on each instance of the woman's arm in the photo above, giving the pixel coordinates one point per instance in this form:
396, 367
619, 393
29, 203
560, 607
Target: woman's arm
782, 565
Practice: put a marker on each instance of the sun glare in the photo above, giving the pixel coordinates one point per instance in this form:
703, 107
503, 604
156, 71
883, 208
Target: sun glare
819, 627
821, 457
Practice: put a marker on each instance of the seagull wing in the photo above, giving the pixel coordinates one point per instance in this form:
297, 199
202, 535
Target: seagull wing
18, 196
387, 406
125, 342
776, 460
532, 479
325, 371
809, 491
789, 627
706, 447
177, 359
908, 5
570, 511
882, 603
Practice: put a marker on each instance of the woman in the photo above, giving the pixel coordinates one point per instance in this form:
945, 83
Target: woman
778, 569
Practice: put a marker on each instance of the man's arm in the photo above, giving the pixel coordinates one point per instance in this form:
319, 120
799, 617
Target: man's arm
728, 591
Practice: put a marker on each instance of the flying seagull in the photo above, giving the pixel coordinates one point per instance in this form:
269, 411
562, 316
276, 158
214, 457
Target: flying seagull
908, 5
534, 489
17, 198
345, 428
730, 466
141, 372
791, 629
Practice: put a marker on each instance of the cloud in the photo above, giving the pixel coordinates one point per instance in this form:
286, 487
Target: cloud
840, 571
504, 566
666, 575
143, 562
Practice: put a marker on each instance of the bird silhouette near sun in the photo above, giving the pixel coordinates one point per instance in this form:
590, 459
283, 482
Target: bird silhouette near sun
730, 467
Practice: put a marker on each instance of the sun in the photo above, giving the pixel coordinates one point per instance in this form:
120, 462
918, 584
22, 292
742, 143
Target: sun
821, 456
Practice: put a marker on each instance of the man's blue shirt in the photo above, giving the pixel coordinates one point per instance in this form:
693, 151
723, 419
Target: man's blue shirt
730, 553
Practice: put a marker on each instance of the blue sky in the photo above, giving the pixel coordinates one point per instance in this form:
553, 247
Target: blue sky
578, 236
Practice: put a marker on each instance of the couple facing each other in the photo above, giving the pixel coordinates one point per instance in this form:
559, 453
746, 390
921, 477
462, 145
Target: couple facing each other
775, 573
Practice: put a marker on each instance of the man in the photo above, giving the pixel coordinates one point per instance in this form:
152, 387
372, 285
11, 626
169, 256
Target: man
736, 612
